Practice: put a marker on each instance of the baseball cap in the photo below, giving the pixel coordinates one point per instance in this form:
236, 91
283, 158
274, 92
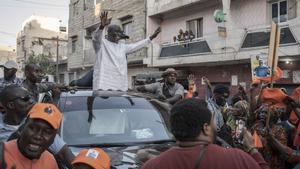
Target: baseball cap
222, 89
47, 112
10, 64
95, 158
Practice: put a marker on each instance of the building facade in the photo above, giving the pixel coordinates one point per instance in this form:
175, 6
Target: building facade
84, 18
222, 51
40, 36
6, 54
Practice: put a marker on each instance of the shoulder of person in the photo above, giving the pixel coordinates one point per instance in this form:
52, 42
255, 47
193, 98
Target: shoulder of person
229, 152
178, 85
11, 146
238, 152
46, 155
157, 84
48, 158
158, 161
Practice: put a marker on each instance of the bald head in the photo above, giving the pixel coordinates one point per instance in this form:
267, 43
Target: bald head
10, 92
17, 102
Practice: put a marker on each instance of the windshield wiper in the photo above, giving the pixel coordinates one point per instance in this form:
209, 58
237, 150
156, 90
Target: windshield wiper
123, 144
130, 101
101, 145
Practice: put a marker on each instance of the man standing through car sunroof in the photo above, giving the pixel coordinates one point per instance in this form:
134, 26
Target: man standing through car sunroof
110, 69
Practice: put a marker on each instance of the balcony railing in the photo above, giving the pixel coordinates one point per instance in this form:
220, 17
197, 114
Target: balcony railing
185, 48
161, 6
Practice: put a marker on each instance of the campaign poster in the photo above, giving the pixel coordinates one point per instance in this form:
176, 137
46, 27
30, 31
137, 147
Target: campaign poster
259, 66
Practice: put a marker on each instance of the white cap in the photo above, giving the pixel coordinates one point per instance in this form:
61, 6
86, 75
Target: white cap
10, 64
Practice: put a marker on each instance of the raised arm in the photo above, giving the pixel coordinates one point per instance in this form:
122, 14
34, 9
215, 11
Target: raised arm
209, 91
143, 43
97, 34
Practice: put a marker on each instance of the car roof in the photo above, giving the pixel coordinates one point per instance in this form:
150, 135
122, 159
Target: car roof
101, 93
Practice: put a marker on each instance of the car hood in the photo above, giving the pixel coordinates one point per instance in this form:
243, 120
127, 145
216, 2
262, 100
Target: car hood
126, 157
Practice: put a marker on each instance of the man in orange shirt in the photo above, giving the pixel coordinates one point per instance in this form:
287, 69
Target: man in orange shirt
29, 150
94, 158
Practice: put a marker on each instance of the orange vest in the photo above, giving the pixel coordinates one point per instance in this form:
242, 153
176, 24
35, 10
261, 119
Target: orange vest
14, 158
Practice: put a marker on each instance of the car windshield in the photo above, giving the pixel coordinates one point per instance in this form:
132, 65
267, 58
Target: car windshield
116, 120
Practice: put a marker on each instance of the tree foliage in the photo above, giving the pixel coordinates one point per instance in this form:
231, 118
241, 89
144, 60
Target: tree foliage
45, 61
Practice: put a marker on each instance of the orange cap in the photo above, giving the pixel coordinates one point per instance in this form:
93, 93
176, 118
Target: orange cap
274, 96
95, 158
47, 112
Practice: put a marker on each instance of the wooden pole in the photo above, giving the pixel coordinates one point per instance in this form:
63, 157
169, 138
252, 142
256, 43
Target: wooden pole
57, 62
273, 60
273, 50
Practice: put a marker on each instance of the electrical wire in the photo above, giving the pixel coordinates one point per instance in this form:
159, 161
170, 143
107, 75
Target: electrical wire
29, 7
40, 3
7, 33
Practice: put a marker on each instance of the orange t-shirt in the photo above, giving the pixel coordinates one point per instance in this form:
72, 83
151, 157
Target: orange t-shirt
13, 157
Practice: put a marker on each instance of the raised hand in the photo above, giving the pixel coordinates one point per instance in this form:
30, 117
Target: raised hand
191, 79
205, 80
104, 21
154, 35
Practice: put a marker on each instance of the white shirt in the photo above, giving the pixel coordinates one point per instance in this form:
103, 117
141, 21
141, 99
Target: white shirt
110, 69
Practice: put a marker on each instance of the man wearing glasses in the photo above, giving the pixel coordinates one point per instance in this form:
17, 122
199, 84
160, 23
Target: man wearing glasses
17, 101
10, 69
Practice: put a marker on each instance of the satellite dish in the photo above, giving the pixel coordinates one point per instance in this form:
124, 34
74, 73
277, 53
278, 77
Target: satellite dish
219, 16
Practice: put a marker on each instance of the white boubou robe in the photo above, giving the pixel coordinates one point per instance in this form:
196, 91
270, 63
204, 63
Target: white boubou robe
110, 69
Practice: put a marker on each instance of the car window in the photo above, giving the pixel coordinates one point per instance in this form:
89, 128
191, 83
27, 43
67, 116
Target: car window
116, 120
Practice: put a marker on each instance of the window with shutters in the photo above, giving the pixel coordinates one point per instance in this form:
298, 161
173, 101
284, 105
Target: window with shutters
75, 8
196, 26
283, 10
127, 24
127, 28
74, 43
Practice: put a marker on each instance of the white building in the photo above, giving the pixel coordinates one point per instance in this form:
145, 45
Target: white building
84, 18
6, 54
39, 36
222, 59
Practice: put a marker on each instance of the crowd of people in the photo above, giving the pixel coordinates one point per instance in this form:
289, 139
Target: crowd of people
258, 129
263, 121
255, 129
